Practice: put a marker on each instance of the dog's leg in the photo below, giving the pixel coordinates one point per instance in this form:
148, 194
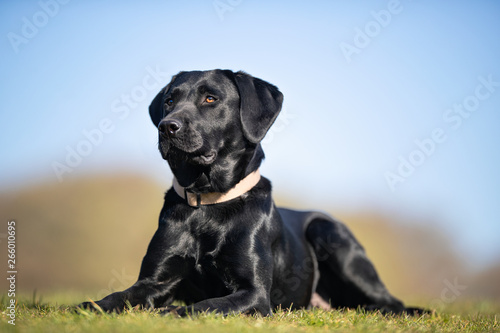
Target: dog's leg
347, 276
158, 278
145, 293
246, 301
249, 276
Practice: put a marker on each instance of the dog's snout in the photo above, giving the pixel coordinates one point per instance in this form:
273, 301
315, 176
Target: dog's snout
169, 127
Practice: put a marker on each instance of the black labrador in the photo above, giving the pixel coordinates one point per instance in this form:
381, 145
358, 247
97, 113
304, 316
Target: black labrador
221, 244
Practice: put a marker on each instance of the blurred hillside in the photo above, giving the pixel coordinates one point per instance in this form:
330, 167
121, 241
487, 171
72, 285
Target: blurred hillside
90, 234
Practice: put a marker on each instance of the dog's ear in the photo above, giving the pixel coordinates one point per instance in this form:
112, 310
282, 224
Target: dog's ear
156, 106
260, 104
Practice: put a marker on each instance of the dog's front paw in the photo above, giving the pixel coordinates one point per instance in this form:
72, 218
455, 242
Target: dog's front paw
396, 308
415, 311
179, 311
92, 306
102, 306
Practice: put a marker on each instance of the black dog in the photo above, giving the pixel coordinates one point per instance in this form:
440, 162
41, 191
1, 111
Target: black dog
221, 244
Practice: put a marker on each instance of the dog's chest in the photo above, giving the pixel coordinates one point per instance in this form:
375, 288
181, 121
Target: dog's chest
201, 240
204, 246
209, 247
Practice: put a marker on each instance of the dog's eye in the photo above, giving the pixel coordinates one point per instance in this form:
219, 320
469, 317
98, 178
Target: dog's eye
210, 99
170, 101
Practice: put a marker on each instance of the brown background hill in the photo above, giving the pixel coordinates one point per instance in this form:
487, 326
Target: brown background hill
90, 234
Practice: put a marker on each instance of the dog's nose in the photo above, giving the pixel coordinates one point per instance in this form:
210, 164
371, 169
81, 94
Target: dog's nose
169, 127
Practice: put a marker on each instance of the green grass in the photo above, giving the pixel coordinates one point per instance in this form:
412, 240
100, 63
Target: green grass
36, 316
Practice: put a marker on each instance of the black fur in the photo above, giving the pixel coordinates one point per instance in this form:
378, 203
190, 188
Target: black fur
244, 255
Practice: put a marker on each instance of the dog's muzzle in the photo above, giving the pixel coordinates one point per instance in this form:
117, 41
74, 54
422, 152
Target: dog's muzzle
176, 133
169, 127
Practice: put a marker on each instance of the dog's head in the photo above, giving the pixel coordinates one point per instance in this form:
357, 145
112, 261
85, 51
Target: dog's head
210, 126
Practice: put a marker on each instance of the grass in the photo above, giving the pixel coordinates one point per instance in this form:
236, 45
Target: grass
35, 316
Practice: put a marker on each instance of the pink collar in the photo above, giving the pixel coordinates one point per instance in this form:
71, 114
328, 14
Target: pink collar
198, 199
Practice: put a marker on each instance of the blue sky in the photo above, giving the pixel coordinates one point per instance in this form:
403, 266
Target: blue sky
373, 89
